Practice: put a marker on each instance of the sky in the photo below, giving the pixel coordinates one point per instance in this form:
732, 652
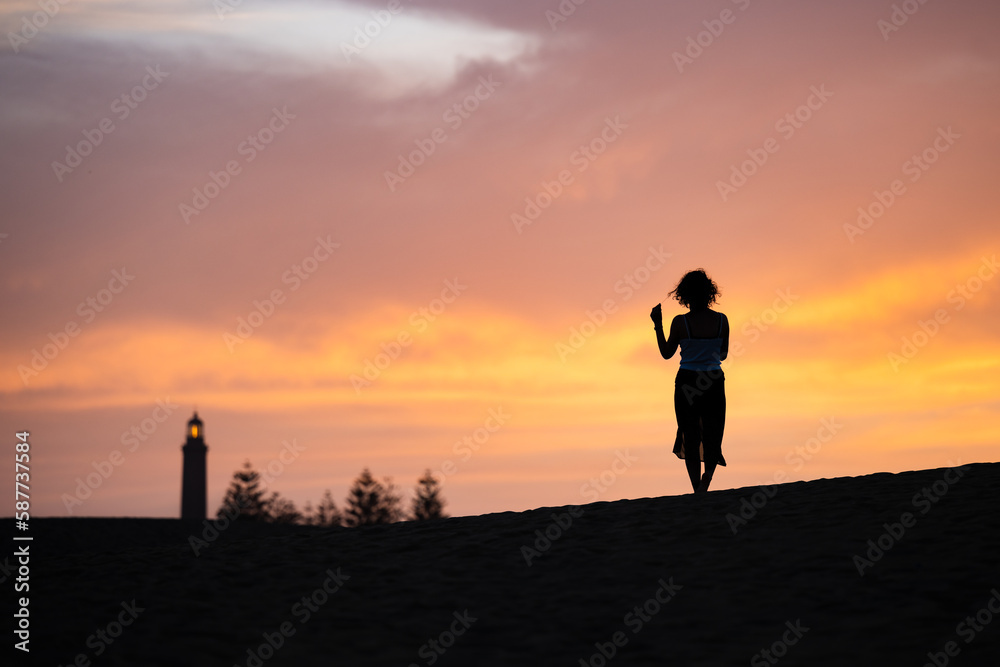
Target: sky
428, 235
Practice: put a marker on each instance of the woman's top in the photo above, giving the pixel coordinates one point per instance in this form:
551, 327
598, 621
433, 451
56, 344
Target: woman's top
701, 354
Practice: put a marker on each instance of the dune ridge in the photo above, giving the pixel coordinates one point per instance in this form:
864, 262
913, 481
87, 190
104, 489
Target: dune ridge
873, 570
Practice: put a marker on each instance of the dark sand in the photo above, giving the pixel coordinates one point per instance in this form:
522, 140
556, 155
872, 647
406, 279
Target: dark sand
733, 595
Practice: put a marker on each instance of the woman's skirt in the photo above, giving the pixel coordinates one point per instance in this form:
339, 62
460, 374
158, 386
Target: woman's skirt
700, 406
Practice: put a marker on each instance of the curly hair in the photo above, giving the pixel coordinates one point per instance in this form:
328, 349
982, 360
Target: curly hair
696, 290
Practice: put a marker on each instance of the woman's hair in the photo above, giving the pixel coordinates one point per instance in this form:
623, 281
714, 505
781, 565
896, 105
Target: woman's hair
696, 290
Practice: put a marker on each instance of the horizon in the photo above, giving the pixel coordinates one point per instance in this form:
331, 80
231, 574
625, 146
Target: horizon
405, 236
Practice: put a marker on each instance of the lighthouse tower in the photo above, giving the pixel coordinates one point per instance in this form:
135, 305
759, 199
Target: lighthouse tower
193, 486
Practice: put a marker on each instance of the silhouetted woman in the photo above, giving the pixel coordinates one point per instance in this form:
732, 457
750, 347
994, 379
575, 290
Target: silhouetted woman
699, 390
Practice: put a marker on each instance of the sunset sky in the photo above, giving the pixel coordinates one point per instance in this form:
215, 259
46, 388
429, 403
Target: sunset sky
237, 207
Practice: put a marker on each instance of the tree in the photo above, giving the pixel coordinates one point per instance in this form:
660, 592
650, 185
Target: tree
281, 510
428, 504
308, 514
327, 513
370, 502
244, 499
391, 509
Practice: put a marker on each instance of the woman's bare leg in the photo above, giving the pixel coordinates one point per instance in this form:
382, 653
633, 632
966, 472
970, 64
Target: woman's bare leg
691, 460
707, 479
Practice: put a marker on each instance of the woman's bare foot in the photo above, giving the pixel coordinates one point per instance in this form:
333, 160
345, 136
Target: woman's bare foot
705, 481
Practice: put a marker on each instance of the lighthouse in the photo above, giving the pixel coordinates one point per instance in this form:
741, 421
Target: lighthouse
194, 482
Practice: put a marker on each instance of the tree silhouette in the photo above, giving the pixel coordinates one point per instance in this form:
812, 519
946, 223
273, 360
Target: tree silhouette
281, 510
327, 513
370, 502
428, 504
244, 499
308, 514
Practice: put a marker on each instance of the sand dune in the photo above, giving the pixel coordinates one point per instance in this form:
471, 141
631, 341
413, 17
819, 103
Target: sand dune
877, 570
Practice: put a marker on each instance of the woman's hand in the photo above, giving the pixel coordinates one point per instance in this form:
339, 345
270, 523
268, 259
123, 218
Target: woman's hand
667, 347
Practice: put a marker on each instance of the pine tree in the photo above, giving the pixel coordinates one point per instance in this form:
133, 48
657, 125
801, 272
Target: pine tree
427, 503
308, 514
391, 507
244, 499
327, 513
370, 502
281, 510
